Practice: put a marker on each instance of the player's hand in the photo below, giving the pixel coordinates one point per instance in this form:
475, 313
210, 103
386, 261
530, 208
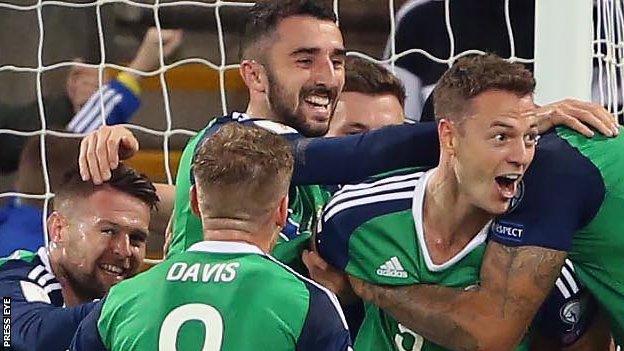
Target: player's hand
577, 115
148, 56
101, 151
328, 276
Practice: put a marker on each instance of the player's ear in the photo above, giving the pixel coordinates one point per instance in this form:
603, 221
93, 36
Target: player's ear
194, 201
282, 212
253, 75
446, 133
55, 223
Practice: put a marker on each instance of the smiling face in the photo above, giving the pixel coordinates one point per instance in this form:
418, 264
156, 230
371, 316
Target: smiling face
99, 240
305, 73
358, 113
492, 148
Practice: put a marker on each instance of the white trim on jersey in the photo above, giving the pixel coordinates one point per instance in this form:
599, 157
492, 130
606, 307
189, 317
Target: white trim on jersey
240, 247
417, 210
368, 192
367, 200
397, 178
225, 247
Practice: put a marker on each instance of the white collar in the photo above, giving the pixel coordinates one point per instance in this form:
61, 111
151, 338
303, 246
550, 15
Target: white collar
417, 213
225, 247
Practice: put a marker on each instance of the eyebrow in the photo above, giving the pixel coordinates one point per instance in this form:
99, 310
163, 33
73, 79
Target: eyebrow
132, 230
501, 124
313, 51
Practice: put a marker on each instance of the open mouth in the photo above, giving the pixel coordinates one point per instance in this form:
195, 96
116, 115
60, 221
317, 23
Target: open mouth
319, 103
508, 184
113, 270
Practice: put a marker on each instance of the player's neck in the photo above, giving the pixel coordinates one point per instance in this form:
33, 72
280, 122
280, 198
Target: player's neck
237, 231
450, 221
261, 110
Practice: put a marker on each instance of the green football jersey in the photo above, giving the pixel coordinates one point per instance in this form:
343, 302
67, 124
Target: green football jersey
374, 231
305, 202
598, 249
216, 296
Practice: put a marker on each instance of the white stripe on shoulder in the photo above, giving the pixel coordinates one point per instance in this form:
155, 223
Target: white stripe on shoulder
367, 200
45, 279
35, 272
370, 191
48, 289
350, 187
331, 295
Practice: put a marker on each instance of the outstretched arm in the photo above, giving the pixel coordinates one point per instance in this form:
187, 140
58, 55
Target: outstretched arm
494, 316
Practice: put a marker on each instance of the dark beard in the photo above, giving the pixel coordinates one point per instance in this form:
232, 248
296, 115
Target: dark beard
293, 119
86, 288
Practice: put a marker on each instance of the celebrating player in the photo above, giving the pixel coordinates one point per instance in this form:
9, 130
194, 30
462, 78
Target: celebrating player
245, 299
372, 98
566, 203
292, 61
97, 238
409, 226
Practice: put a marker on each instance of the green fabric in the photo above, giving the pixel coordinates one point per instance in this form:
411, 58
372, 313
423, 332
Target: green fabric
385, 249
305, 202
598, 249
21, 255
252, 291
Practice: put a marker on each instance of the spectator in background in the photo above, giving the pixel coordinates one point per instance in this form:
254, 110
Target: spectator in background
476, 25
64, 112
21, 218
371, 98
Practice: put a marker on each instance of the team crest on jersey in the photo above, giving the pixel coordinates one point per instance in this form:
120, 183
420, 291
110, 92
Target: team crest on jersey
570, 312
515, 201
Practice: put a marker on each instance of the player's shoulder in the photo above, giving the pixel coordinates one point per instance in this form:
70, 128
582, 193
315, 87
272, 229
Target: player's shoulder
355, 204
364, 208
20, 264
27, 275
312, 288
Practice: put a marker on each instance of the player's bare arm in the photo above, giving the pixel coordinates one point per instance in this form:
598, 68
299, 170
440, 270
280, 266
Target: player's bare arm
494, 316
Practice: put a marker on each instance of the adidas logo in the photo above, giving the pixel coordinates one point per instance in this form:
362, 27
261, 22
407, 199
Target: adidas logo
392, 268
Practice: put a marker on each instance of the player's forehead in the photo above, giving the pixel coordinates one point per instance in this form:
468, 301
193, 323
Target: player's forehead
113, 207
295, 32
493, 106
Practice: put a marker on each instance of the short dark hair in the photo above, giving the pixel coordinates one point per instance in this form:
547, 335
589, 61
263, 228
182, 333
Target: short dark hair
367, 77
124, 179
242, 170
265, 16
472, 75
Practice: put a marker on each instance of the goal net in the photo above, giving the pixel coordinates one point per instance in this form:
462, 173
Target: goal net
598, 38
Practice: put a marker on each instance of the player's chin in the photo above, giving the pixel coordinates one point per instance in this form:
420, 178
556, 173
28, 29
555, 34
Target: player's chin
316, 128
